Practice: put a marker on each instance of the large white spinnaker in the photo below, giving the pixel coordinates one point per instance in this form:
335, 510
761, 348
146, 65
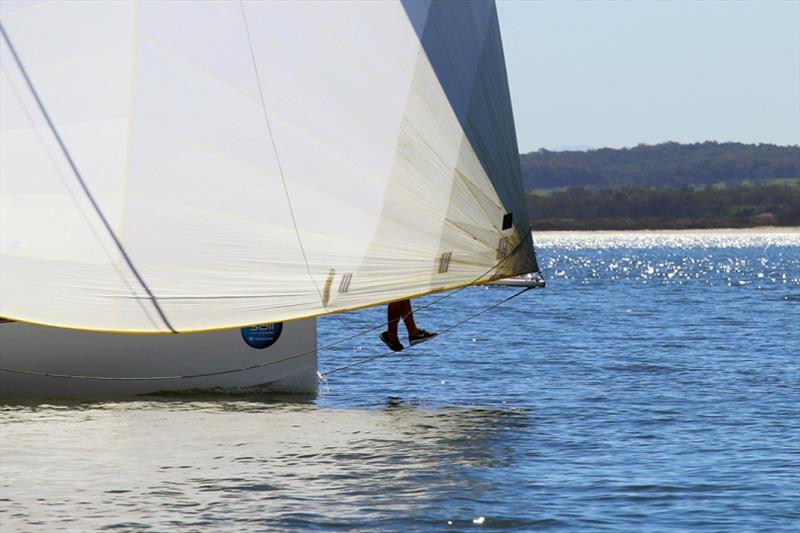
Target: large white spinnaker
185, 166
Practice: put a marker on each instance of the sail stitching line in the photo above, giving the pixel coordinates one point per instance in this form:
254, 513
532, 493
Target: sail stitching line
294, 356
277, 156
82, 183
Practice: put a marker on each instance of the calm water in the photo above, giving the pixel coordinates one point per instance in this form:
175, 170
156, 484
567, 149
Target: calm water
654, 385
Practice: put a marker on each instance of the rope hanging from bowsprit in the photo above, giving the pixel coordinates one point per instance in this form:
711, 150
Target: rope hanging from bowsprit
269, 363
445, 330
264, 364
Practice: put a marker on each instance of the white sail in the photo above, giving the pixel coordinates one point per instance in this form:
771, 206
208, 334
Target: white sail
185, 166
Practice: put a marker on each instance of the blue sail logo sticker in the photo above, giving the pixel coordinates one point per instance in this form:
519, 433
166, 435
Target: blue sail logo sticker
263, 335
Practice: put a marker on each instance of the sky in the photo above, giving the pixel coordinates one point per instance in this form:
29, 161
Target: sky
620, 73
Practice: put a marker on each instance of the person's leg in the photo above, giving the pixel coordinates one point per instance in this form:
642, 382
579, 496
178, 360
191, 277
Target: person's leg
404, 308
394, 312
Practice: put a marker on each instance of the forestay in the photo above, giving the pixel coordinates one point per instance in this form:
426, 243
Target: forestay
184, 166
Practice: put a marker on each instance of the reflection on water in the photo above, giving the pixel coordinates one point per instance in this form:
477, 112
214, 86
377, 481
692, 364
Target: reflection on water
653, 385
164, 464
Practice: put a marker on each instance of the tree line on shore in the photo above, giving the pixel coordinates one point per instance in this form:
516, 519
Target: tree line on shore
640, 207
668, 164
669, 185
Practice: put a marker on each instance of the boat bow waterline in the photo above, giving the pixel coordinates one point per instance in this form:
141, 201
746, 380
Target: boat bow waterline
187, 166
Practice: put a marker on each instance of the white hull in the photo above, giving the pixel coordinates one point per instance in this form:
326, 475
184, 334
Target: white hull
55, 350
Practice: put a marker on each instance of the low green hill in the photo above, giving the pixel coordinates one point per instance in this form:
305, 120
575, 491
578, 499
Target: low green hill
635, 207
663, 165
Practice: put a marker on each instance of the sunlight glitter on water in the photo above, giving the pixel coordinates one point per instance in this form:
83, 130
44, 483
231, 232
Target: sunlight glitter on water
710, 256
680, 239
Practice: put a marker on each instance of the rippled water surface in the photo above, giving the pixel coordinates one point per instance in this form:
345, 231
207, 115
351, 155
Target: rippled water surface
652, 386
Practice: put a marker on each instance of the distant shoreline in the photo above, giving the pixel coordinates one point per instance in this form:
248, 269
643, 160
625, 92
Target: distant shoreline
788, 230
688, 207
630, 224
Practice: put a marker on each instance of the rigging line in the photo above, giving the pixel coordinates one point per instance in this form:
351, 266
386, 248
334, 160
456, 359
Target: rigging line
82, 183
445, 330
277, 156
266, 363
76, 202
343, 322
437, 300
257, 365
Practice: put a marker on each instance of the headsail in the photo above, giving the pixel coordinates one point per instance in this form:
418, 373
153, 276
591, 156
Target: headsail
194, 165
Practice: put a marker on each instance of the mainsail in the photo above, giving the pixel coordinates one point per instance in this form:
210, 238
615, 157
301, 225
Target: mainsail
185, 166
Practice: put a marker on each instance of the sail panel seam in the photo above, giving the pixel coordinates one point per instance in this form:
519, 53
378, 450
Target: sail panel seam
277, 157
80, 179
76, 202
